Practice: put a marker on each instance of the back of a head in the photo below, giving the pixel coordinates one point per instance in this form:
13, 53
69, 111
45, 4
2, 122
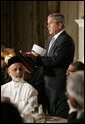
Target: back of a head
78, 65
9, 113
75, 86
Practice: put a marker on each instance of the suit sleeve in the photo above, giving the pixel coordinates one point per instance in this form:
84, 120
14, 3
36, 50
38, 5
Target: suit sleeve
63, 54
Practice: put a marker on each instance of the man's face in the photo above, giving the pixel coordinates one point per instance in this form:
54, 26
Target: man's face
16, 71
52, 26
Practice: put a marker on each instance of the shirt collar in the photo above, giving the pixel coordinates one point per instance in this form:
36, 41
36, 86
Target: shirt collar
56, 36
17, 84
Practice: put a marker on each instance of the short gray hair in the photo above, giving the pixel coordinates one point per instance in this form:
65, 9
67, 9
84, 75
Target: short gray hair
75, 86
58, 17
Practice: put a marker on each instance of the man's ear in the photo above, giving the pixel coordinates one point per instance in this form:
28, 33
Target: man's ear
59, 24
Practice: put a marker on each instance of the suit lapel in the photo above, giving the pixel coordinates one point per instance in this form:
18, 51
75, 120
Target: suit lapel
55, 44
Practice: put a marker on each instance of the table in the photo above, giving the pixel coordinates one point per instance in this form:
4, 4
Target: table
50, 119
36, 118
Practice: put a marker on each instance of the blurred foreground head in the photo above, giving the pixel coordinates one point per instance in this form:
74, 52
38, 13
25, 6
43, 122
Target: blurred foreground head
75, 87
9, 113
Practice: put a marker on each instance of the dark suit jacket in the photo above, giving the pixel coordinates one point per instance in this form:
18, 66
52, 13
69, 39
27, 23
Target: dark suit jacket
72, 118
37, 81
55, 63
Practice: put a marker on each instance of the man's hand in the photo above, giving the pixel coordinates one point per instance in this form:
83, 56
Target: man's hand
31, 54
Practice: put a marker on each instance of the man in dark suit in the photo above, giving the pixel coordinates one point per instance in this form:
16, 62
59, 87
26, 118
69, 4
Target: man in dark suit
59, 55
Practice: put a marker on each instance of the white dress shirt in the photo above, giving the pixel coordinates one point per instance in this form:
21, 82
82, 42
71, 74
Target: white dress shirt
22, 94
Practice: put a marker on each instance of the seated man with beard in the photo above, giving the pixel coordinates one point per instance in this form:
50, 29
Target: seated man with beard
20, 92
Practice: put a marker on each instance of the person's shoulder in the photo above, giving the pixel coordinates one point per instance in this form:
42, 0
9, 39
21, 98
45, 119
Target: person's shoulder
65, 39
28, 85
68, 36
6, 84
29, 88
